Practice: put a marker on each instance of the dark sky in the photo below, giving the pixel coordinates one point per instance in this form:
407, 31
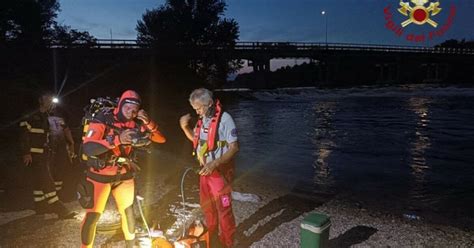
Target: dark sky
348, 21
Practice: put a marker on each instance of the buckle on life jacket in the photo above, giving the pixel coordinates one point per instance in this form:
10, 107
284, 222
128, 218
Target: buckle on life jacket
121, 160
114, 160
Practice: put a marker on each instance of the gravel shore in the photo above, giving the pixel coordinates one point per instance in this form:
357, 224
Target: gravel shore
351, 224
272, 222
352, 227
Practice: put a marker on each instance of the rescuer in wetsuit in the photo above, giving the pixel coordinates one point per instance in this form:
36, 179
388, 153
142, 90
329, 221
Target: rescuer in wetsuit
109, 143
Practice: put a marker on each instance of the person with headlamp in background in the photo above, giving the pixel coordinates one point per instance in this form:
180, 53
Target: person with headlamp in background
62, 150
35, 146
109, 143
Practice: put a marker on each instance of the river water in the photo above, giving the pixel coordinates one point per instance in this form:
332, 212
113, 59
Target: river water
406, 149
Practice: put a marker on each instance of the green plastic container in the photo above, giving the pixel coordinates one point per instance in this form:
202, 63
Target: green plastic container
315, 231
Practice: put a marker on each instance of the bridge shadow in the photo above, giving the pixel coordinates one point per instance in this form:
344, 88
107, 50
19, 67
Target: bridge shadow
275, 213
287, 208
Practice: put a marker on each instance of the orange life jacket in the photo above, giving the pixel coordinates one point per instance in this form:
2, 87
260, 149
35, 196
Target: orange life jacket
212, 131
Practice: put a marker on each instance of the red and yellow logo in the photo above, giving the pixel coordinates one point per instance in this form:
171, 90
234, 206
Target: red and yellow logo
419, 13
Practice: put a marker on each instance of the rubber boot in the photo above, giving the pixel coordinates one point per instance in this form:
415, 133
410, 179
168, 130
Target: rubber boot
61, 210
41, 207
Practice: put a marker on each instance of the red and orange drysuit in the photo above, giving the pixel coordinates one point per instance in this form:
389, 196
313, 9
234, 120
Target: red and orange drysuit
102, 141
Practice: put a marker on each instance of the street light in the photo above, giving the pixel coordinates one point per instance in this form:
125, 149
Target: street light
326, 68
326, 20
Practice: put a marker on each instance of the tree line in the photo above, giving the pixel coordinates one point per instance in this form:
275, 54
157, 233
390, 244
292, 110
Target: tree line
168, 27
33, 23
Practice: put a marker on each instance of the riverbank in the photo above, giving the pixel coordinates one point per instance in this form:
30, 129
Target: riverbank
272, 222
352, 224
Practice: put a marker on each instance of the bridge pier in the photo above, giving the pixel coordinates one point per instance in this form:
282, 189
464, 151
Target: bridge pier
322, 72
387, 72
260, 65
381, 72
261, 69
434, 72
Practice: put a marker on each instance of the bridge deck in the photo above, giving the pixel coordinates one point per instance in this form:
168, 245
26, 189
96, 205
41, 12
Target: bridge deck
285, 47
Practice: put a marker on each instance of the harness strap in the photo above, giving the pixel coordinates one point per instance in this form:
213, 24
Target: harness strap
109, 178
219, 143
204, 150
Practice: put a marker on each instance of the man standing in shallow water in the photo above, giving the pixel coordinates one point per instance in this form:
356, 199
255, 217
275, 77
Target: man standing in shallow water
215, 146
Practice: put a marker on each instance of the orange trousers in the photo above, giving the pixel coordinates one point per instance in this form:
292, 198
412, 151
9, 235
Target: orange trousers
123, 193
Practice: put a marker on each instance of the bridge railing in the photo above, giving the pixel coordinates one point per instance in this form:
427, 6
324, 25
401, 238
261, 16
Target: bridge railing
348, 47
101, 44
284, 46
118, 44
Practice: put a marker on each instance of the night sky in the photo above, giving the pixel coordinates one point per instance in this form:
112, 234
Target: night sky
348, 21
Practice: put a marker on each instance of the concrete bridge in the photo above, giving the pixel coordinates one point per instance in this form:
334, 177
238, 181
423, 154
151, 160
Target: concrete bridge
338, 61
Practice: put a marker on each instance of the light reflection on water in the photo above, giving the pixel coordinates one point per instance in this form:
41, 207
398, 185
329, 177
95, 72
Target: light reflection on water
323, 135
419, 146
407, 145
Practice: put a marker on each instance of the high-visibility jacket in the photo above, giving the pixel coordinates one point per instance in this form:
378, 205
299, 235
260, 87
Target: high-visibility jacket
35, 134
